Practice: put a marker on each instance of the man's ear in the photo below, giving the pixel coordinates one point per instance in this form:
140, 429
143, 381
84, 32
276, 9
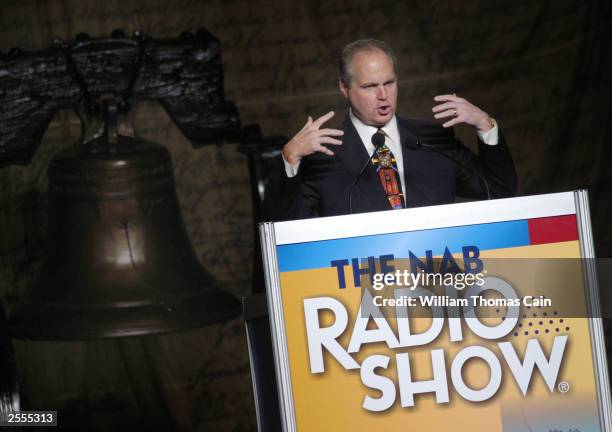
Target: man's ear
343, 88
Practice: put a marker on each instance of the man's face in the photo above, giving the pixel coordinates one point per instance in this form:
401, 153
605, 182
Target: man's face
373, 91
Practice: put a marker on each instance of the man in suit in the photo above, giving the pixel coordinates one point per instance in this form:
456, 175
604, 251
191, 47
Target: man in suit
378, 161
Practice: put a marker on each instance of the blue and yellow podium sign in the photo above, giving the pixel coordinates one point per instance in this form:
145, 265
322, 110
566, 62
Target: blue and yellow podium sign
470, 317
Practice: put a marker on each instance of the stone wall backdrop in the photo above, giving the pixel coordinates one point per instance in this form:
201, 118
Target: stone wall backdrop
541, 68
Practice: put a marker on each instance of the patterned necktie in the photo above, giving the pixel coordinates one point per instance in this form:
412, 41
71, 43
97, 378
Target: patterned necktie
386, 167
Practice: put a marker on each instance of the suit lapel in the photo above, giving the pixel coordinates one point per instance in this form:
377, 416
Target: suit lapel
409, 143
413, 161
353, 155
408, 139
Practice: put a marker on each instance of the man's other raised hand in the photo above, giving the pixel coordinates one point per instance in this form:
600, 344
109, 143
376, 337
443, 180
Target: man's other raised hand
311, 139
460, 111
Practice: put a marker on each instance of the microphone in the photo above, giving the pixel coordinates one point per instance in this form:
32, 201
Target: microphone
439, 149
378, 139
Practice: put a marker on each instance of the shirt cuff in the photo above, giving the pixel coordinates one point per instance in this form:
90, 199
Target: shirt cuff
490, 137
290, 170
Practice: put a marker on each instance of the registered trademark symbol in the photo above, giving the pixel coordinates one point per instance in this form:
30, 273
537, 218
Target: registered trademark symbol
563, 386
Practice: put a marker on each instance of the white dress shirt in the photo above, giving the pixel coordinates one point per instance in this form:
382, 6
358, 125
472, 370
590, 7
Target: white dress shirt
392, 141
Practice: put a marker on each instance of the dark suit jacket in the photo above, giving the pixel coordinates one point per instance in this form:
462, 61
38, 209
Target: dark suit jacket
437, 167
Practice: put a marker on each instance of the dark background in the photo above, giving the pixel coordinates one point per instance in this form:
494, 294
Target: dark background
541, 68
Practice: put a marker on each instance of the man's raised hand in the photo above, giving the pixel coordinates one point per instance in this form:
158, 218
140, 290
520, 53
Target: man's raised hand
461, 111
310, 139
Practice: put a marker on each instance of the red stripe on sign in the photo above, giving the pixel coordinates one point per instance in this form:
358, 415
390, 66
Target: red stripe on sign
553, 229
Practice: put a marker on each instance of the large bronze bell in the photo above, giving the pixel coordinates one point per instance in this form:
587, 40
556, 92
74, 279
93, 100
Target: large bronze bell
118, 261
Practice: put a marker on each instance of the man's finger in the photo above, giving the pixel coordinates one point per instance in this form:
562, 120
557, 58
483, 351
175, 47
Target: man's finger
329, 140
331, 132
325, 150
318, 122
444, 106
452, 122
446, 97
447, 113
308, 122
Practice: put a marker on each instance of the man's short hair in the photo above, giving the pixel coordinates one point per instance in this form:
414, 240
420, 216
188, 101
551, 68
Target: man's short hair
345, 71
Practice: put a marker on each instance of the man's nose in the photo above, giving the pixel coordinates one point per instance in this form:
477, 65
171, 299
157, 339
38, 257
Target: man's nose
381, 92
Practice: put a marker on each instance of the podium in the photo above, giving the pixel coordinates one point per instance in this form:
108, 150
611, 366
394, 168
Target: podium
480, 316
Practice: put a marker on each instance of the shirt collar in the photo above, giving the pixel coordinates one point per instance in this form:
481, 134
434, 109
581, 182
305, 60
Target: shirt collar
366, 131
